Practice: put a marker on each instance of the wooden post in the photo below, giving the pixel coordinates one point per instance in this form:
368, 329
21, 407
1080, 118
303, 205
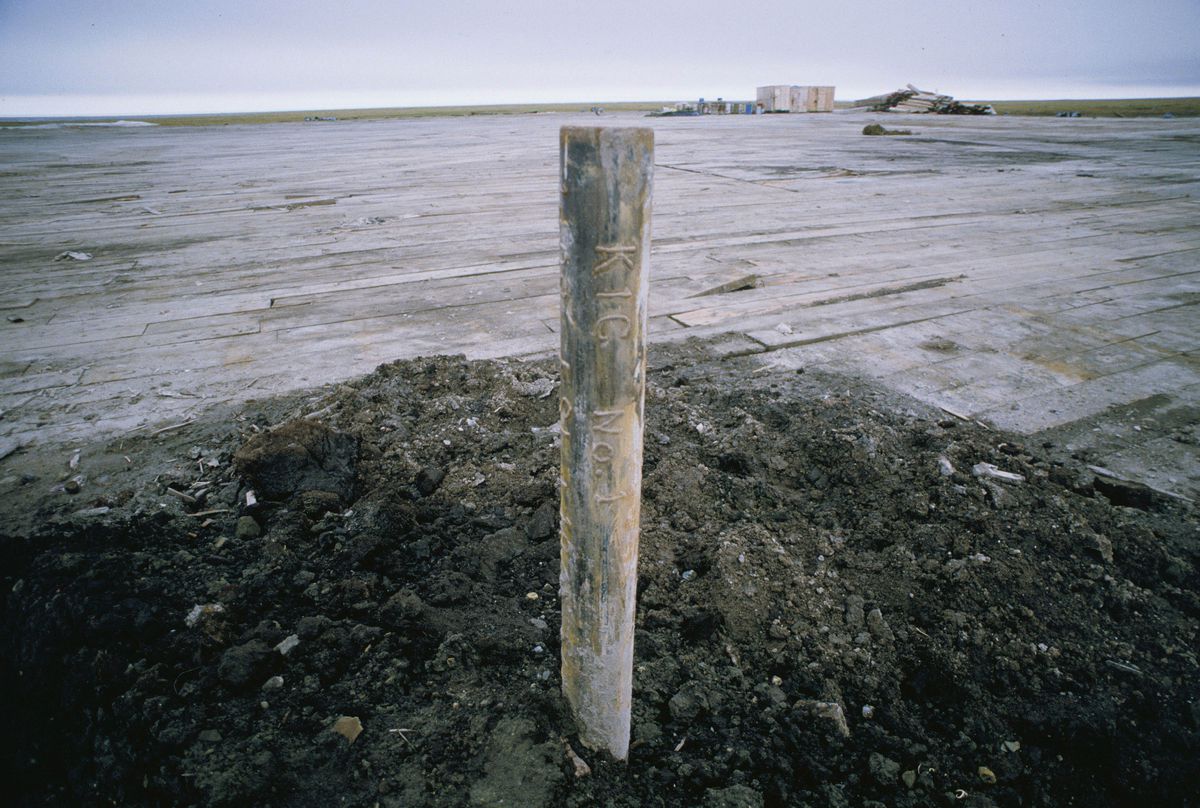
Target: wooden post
604, 227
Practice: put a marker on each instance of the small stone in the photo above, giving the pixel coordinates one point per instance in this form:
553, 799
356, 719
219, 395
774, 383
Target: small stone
315, 504
71, 486
402, 609
868, 711
201, 611
274, 683
531, 596
243, 664
247, 528
989, 471
687, 704
581, 767
737, 796
831, 711
1100, 546
647, 732
209, 736
878, 626
885, 770
429, 478
1012, 746
854, 611
909, 777
688, 575
544, 522
348, 726
987, 775
539, 623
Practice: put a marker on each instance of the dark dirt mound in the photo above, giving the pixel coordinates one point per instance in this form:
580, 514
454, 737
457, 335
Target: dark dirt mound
834, 610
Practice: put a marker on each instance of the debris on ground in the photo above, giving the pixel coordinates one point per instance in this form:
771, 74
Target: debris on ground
833, 609
910, 99
878, 129
73, 255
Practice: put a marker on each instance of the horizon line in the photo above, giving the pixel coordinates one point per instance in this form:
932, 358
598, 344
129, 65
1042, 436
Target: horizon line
521, 104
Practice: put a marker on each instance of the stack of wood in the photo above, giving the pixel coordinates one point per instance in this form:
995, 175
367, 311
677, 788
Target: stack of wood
911, 99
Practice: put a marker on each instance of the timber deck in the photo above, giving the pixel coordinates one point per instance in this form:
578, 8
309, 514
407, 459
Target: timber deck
1025, 272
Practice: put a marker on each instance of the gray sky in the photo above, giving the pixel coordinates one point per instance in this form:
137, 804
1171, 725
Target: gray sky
62, 57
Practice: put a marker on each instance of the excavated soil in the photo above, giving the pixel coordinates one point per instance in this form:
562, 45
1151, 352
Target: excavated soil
834, 610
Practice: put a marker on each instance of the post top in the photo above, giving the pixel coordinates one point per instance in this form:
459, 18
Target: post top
594, 132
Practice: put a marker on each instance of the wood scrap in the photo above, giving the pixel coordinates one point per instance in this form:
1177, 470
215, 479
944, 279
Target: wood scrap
736, 285
912, 100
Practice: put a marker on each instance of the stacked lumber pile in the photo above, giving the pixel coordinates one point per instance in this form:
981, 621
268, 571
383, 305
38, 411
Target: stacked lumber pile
911, 99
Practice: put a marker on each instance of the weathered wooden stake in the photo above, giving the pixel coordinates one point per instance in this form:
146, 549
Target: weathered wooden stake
604, 226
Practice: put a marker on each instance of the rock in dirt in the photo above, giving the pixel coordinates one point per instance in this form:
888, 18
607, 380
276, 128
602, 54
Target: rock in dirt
738, 796
299, 455
855, 605
348, 726
885, 770
518, 771
991, 472
829, 711
1100, 546
878, 627
247, 528
315, 504
244, 664
428, 479
688, 703
582, 769
201, 611
288, 644
402, 609
544, 521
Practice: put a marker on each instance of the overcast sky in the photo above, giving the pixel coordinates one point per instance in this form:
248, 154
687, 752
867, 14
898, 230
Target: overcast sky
93, 57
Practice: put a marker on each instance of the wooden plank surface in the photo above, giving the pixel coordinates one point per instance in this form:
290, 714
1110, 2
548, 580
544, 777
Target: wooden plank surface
990, 263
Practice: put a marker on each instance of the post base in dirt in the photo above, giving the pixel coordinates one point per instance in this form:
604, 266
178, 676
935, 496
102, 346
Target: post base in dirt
604, 225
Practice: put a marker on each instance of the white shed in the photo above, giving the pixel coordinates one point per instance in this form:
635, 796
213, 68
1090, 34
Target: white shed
775, 98
795, 98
